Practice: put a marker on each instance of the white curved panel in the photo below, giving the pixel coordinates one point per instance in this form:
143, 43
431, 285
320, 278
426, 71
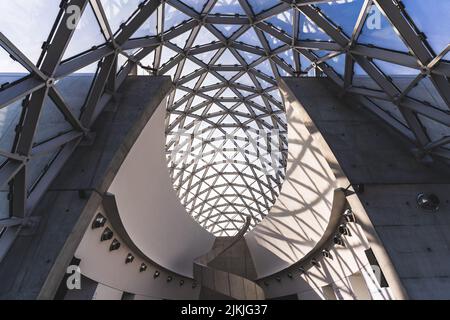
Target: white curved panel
149, 207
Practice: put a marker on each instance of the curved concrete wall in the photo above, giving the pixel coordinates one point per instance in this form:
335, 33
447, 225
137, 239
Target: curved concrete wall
149, 207
301, 213
109, 269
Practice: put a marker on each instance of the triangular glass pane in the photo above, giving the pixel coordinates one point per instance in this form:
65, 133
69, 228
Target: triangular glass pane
228, 93
362, 79
378, 31
149, 60
189, 67
167, 54
435, 130
9, 119
227, 74
282, 72
75, 88
27, 24
338, 64
273, 42
212, 93
171, 72
4, 201
10, 70
121, 61
204, 36
51, 123
401, 76
431, 18
206, 56
210, 79
230, 7
265, 68
283, 21
37, 167
264, 84
251, 38
87, 34
248, 56
227, 58
191, 84
343, 14
426, 92
119, 12
215, 108
259, 6
447, 57
197, 5
148, 28
181, 40
287, 57
390, 108
173, 17
197, 100
227, 29
308, 30
246, 80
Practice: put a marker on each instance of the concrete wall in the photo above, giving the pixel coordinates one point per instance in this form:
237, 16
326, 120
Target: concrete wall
110, 270
304, 206
150, 209
301, 213
410, 244
37, 260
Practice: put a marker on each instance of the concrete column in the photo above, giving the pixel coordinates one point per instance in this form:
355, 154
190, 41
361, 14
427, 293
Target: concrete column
410, 244
37, 261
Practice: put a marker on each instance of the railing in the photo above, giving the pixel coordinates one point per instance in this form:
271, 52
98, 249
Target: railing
225, 283
337, 218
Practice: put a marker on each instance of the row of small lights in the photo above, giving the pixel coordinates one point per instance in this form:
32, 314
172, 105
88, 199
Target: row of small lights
337, 240
107, 234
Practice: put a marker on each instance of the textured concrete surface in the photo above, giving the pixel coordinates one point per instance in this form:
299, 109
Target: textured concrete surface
37, 261
411, 245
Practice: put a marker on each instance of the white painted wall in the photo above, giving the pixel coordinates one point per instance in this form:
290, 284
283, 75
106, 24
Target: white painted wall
149, 207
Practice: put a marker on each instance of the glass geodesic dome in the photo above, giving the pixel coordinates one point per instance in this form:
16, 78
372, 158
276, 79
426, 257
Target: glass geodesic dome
225, 58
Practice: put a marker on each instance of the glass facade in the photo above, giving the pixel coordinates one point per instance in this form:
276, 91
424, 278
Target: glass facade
225, 58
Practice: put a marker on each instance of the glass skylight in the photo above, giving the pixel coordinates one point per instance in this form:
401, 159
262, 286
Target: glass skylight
225, 58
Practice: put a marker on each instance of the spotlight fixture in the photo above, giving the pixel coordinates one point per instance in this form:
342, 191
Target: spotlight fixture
428, 202
289, 275
129, 258
315, 263
338, 240
278, 279
143, 267
107, 234
342, 229
156, 274
169, 278
115, 245
327, 254
302, 269
181, 282
349, 216
99, 221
